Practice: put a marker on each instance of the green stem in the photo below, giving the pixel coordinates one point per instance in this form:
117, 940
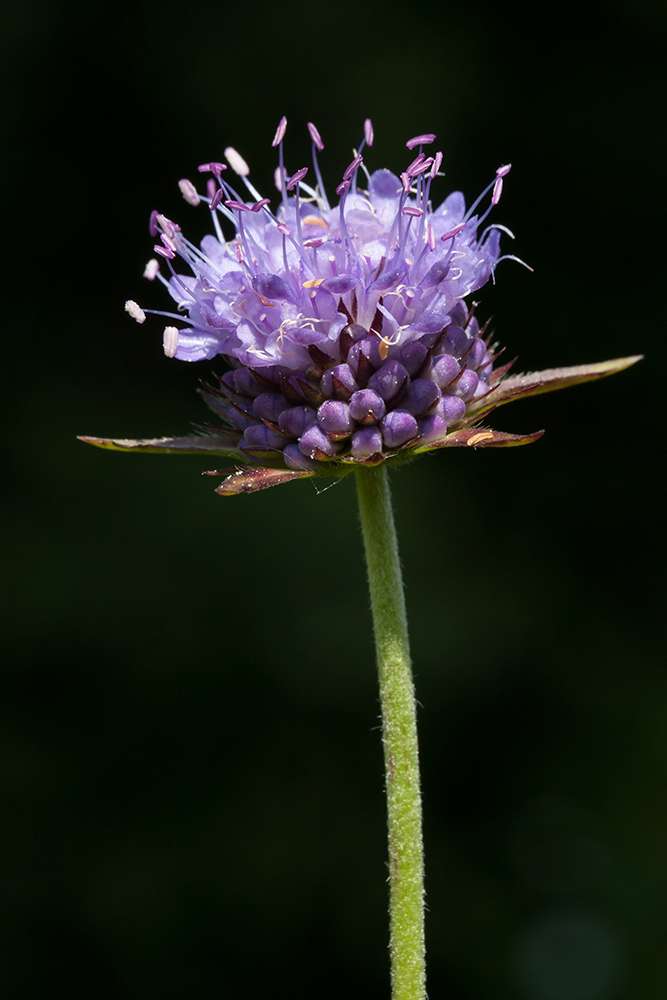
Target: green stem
399, 736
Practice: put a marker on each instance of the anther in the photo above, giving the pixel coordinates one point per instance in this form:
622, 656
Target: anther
419, 168
152, 223
437, 162
135, 311
236, 162
170, 340
189, 191
151, 269
237, 206
419, 159
277, 139
169, 227
352, 167
368, 132
420, 140
343, 186
214, 167
453, 232
259, 205
315, 136
216, 199
410, 210
295, 178
498, 186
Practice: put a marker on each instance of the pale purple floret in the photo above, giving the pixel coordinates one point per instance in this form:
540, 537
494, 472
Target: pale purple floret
344, 328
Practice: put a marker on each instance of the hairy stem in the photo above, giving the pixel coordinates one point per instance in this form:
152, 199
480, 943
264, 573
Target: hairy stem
399, 736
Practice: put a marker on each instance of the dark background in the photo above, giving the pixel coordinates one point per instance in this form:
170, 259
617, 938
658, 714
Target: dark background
190, 759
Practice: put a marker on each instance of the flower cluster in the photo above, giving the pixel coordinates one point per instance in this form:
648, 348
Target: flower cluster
344, 328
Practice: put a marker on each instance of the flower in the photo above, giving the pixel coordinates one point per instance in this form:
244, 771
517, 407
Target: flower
344, 329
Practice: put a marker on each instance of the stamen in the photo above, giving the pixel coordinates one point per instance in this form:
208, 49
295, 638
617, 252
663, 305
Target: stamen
168, 226
453, 232
189, 192
368, 132
151, 269
135, 311
350, 169
421, 140
315, 136
412, 211
318, 144
497, 191
170, 341
168, 242
343, 186
214, 167
280, 132
237, 206
420, 168
437, 161
217, 198
236, 162
295, 178
415, 163
152, 223
503, 171
259, 205
164, 252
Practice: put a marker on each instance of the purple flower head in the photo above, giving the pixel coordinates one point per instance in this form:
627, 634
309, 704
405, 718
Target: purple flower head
343, 330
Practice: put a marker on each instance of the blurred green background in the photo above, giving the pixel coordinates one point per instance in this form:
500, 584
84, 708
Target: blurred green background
189, 750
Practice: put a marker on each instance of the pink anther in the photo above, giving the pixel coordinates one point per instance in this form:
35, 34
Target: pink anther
343, 186
421, 140
315, 136
280, 132
295, 178
213, 167
164, 252
349, 170
453, 232
237, 206
368, 132
189, 191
